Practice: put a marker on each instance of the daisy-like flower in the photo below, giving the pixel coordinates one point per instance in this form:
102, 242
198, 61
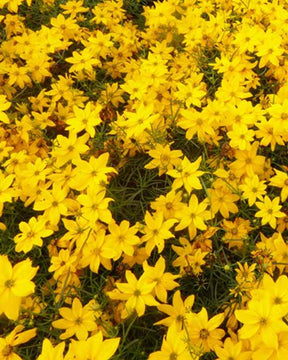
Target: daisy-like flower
205, 333
269, 211
138, 294
76, 321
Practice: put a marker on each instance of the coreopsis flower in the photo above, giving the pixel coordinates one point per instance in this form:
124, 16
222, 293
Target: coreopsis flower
232, 350
96, 251
122, 238
178, 311
63, 264
164, 280
280, 180
35, 172
76, 321
203, 332
245, 276
31, 234
94, 348
164, 158
6, 191
192, 91
270, 133
223, 200
93, 173
269, 211
170, 205
14, 338
4, 105
174, 346
15, 283
85, 119
4, 150
253, 189
95, 205
270, 49
82, 61
51, 353
264, 319
236, 232
240, 136
187, 174
67, 149
73, 7
54, 203
67, 27
190, 259
135, 123
156, 231
195, 122
138, 294
276, 291
248, 162
193, 216
280, 252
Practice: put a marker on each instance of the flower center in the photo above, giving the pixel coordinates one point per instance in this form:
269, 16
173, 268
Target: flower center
204, 334
9, 283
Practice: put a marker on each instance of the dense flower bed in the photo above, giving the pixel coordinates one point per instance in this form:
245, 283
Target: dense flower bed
144, 180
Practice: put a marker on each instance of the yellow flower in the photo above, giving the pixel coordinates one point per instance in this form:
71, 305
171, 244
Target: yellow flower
264, 319
248, 162
195, 122
4, 105
122, 238
164, 158
241, 137
72, 8
156, 231
95, 205
85, 119
15, 283
54, 203
70, 148
186, 174
63, 264
269, 211
92, 173
281, 180
193, 216
245, 277
137, 122
96, 251
236, 232
77, 321
170, 205
223, 200
192, 92
270, 49
280, 253
231, 351
83, 61
178, 311
16, 337
51, 353
203, 332
93, 348
31, 234
253, 189
164, 280
138, 293
174, 347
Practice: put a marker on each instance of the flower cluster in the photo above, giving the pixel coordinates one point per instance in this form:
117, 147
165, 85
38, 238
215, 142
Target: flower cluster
143, 173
